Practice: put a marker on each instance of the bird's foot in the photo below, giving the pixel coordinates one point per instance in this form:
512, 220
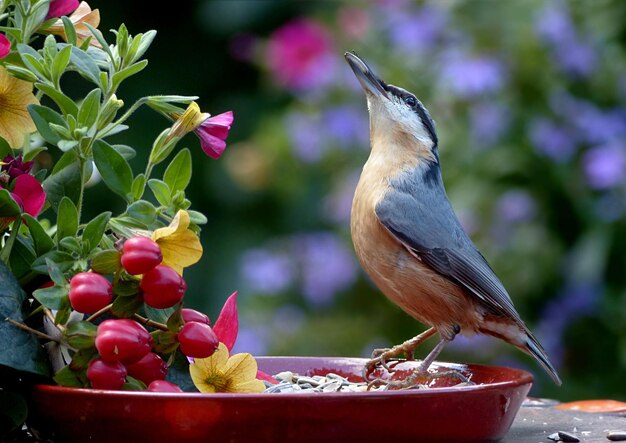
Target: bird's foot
382, 357
418, 379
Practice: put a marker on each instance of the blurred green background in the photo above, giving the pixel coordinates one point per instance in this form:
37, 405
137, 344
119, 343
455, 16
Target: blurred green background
529, 100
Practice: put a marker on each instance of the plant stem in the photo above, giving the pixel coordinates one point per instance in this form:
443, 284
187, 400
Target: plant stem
48, 314
31, 330
148, 322
97, 314
125, 116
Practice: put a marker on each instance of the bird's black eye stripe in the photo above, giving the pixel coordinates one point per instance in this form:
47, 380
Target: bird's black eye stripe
410, 100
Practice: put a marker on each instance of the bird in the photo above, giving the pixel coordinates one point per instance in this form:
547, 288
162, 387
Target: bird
409, 240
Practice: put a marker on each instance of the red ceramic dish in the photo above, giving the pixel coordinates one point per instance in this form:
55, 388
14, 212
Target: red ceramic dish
462, 414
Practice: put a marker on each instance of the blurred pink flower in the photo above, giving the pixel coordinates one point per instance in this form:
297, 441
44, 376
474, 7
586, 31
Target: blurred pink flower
29, 194
59, 8
5, 46
299, 54
213, 133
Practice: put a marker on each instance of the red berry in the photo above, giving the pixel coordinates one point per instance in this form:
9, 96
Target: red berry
190, 315
122, 340
163, 386
197, 340
90, 292
162, 287
140, 255
151, 367
104, 374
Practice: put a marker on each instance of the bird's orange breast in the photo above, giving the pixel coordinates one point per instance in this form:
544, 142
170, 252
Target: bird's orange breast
420, 291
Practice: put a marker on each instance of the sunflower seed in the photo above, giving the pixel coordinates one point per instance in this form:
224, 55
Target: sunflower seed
616, 435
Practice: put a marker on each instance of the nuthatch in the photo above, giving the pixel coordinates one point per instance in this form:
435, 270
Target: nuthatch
409, 240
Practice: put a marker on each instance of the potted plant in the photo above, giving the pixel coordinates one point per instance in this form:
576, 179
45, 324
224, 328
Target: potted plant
92, 308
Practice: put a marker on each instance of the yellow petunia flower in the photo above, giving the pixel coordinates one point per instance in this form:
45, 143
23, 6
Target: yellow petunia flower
180, 246
221, 373
15, 121
186, 122
83, 14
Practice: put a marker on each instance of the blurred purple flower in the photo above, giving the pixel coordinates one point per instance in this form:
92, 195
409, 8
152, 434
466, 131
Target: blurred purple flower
416, 31
306, 136
516, 206
552, 140
338, 204
327, 266
348, 124
575, 300
471, 76
605, 166
554, 24
266, 272
253, 340
288, 319
241, 46
300, 55
489, 121
572, 53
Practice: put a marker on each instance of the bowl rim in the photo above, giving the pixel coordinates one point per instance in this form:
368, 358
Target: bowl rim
523, 377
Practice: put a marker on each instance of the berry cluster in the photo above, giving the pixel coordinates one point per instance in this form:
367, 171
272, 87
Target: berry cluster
121, 350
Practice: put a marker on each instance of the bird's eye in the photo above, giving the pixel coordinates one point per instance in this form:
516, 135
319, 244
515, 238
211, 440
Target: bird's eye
410, 100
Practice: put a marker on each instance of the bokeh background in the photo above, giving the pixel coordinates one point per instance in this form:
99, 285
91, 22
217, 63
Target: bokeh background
529, 100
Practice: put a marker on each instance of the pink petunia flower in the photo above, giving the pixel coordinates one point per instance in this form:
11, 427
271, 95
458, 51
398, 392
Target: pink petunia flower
299, 54
5, 46
213, 133
29, 194
59, 8
16, 166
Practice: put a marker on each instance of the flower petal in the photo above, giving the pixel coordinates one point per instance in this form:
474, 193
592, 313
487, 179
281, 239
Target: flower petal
31, 194
227, 324
179, 245
204, 369
59, 8
212, 146
250, 387
260, 375
5, 46
240, 368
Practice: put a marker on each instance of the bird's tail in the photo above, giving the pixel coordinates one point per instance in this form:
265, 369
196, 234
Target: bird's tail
534, 348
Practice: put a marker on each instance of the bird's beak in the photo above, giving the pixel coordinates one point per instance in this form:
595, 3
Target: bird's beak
369, 82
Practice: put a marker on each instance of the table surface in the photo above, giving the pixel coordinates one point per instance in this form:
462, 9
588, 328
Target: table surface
534, 424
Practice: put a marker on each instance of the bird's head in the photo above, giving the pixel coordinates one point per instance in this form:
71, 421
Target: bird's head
397, 117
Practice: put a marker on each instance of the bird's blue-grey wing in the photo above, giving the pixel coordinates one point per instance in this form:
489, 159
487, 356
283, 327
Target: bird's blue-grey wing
429, 228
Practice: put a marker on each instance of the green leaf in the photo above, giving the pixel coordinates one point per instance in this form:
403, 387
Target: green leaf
126, 288
89, 108
33, 152
98, 35
106, 262
63, 260
81, 334
13, 411
55, 273
41, 240
65, 182
42, 117
132, 384
21, 73
139, 186
20, 350
144, 44
52, 297
5, 149
71, 245
81, 359
161, 191
178, 173
67, 377
176, 321
94, 230
66, 145
126, 151
22, 257
197, 218
65, 104
143, 211
122, 75
59, 63
164, 342
70, 31
85, 65
36, 65
159, 315
67, 219
126, 306
114, 169
8, 206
